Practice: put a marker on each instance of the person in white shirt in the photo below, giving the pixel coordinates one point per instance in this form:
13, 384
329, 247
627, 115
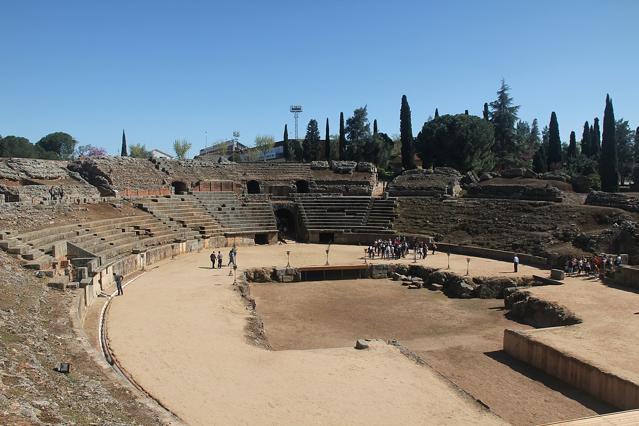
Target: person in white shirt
516, 262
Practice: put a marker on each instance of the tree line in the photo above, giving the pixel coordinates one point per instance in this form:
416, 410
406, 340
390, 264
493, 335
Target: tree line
498, 140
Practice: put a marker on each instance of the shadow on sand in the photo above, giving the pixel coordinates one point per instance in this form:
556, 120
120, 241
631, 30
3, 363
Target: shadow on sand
568, 391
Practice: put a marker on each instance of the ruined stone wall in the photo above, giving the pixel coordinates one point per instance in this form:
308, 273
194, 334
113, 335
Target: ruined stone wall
43, 181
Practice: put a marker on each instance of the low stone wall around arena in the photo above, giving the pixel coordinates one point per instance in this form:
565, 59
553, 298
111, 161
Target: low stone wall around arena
608, 387
626, 276
505, 256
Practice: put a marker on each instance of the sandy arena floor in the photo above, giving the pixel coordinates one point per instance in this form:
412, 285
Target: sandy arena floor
180, 331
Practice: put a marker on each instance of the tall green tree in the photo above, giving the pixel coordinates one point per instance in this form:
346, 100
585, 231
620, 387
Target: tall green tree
608, 170
436, 113
263, 144
61, 143
406, 135
624, 136
342, 138
554, 143
124, 151
311, 143
181, 147
286, 148
595, 139
139, 151
486, 114
636, 146
586, 142
540, 160
572, 146
374, 127
358, 133
461, 141
503, 115
327, 143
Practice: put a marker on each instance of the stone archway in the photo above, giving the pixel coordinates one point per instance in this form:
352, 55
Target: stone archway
286, 223
253, 187
302, 187
180, 188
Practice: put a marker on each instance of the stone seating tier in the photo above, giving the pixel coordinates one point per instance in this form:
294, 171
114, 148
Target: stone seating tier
236, 215
108, 238
347, 213
185, 210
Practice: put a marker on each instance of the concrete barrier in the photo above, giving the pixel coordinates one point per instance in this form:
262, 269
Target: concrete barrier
606, 386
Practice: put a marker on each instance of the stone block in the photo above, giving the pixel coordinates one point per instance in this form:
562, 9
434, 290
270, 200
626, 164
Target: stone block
557, 274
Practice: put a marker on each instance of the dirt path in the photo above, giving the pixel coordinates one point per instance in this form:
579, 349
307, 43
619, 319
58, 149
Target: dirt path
180, 331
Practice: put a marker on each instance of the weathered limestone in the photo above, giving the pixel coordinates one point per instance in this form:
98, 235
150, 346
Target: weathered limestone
442, 181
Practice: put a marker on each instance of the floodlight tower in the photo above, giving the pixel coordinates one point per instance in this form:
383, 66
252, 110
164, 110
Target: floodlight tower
296, 109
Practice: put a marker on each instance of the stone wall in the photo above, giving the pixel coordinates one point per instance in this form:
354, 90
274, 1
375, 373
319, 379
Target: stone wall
442, 181
607, 199
41, 181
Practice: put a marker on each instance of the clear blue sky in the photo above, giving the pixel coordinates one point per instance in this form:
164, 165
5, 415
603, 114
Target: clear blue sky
177, 69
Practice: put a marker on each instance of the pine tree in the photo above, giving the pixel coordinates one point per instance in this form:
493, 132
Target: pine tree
124, 151
406, 135
572, 146
375, 127
595, 139
327, 144
554, 142
342, 137
486, 116
503, 115
585, 140
286, 147
608, 159
310, 146
436, 113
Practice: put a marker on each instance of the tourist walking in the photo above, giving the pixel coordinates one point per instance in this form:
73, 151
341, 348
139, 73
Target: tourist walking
118, 283
516, 262
219, 259
213, 260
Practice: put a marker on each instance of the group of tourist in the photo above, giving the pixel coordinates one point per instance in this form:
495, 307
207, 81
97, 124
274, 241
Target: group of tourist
220, 260
399, 247
592, 266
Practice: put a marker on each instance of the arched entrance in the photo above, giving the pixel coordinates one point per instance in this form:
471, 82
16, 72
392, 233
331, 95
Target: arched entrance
253, 187
302, 187
180, 188
286, 223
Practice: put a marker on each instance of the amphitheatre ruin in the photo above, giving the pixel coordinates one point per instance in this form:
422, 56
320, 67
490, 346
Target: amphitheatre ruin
308, 328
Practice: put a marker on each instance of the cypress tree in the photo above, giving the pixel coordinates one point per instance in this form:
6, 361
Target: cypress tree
466, 112
637, 146
436, 113
327, 144
286, 147
342, 137
572, 146
595, 139
554, 142
406, 135
486, 116
124, 151
540, 162
375, 127
608, 160
585, 140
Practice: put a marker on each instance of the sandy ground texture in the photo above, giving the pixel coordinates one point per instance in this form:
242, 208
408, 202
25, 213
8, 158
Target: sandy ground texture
180, 331
609, 335
461, 339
